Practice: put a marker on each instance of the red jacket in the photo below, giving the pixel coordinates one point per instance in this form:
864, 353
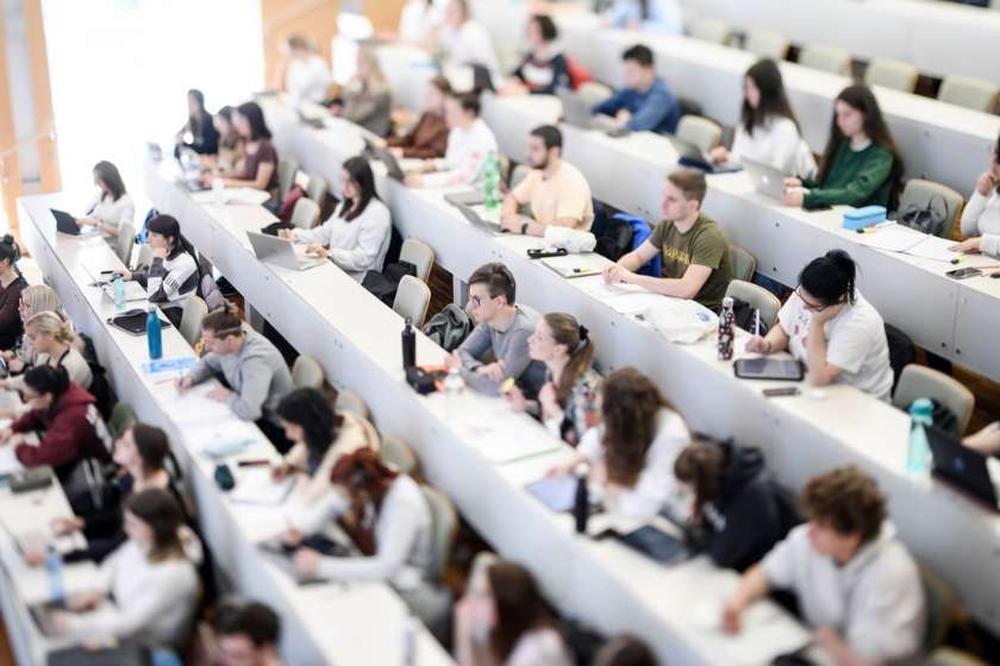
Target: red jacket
71, 430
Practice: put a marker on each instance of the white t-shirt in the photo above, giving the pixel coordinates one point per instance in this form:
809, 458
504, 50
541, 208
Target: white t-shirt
114, 213
875, 601
981, 217
777, 142
357, 245
308, 79
418, 19
471, 45
855, 343
539, 647
463, 160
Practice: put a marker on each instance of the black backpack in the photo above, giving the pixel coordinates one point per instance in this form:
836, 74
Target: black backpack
614, 236
449, 327
384, 284
931, 219
100, 387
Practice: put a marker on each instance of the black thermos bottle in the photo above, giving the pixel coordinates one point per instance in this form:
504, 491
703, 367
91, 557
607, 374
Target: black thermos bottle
409, 345
581, 503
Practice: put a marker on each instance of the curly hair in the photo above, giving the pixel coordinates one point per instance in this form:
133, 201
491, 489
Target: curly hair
846, 499
629, 406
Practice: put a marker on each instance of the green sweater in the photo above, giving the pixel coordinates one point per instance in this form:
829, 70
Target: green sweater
856, 178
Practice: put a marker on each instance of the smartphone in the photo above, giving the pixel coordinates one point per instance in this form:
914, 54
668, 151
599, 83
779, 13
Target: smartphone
783, 391
963, 273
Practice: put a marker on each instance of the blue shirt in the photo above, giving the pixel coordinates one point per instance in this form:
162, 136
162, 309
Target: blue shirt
664, 16
656, 110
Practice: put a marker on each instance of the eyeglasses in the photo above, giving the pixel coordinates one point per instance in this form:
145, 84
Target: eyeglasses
812, 307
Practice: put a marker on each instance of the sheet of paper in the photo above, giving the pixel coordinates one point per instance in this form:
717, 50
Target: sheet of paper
574, 265
932, 247
891, 238
255, 486
9, 464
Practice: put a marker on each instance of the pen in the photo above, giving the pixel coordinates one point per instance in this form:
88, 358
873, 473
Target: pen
253, 463
756, 322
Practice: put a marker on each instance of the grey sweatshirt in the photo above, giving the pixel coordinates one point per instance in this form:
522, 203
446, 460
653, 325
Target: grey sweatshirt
257, 375
510, 347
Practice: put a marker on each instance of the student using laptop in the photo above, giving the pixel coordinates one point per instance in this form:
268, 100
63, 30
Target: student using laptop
252, 367
259, 168
429, 137
661, 16
645, 103
768, 131
502, 331
172, 277
555, 191
828, 325
246, 634
199, 133
305, 74
465, 41
366, 99
695, 251
12, 285
544, 70
356, 237
856, 584
981, 216
470, 141
860, 165
113, 206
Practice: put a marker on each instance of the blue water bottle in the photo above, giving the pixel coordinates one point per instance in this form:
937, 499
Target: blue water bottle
154, 334
119, 288
53, 568
918, 452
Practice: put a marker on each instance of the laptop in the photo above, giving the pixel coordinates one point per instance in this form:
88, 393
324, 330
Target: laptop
477, 220
381, 154
66, 224
281, 252
577, 112
966, 468
767, 179
133, 291
465, 198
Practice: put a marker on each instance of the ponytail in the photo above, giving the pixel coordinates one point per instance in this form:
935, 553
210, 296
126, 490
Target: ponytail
10, 252
50, 323
831, 278
575, 337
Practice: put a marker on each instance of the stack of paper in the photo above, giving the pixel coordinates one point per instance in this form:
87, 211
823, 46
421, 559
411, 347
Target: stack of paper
898, 238
255, 486
575, 265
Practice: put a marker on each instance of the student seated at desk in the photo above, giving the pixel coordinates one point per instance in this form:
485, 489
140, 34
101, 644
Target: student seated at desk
172, 277
366, 99
53, 344
464, 41
470, 141
632, 452
567, 402
199, 133
152, 581
856, 584
246, 634
250, 365
64, 417
661, 16
828, 325
696, 263
259, 168
860, 166
319, 437
645, 103
356, 237
35, 298
625, 650
419, 19
981, 216
768, 131
739, 511
504, 620
230, 146
545, 70
555, 191
12, 285
501, 333
306, 76
429, 137
113, 206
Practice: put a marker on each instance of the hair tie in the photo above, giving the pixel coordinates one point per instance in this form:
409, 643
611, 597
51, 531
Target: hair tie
584, 333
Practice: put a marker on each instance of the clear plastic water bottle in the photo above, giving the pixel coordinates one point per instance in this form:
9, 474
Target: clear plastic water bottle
154, 334
454, 384
491, 181
54, 570
119, 288
726, 322
918, 451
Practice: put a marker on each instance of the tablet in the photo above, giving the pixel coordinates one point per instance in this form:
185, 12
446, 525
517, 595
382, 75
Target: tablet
769, 368
558, 493
656, 544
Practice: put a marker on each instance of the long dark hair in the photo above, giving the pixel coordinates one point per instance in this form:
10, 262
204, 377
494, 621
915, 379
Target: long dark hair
47, 379
520, 606
361, 173
152, 445
255, 118
773, 100
10, 252
630, 404
702, 465
169, 227
158, 509
195, 120
310, 409
567, 331
830, 278
107, 173
860, 98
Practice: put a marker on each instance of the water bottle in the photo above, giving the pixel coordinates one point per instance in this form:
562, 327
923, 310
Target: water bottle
918, 452
581, 500
119, 289
154, 334
218, 191
53, 568
454, 383
409, 338
491, 181
726, 322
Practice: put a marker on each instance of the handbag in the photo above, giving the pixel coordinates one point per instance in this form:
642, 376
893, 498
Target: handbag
930, 219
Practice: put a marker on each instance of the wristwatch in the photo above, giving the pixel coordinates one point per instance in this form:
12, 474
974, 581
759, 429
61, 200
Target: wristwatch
524, 228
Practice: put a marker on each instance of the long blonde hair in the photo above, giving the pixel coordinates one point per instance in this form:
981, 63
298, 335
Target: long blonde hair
42, 297
51, 324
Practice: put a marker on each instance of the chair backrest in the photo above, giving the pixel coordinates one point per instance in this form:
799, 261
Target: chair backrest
286, 174
396, 452
971, 93
419, 254
124, 242
192, 315
594, 92
744, 263
892, 74
444, 521
702, 132
412, 298
517, 176
307, 373
766, 44
710, 30
759, 298
826, 58
918, 381
122, 417
349, 401
317, 188
305, 215
948, 656
943, 608
145, 256
919, 194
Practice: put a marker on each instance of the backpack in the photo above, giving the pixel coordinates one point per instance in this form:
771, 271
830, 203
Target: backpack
932, 219
100, 387
385, 283
745, 317
942, 417
288, 203
140, 237
614, 236
578, 74
902, 351
640, 232
449, 328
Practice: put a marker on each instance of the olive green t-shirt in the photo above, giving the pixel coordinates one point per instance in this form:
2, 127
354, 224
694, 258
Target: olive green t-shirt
704, 244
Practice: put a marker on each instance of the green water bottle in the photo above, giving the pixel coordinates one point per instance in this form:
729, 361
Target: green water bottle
491, 181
